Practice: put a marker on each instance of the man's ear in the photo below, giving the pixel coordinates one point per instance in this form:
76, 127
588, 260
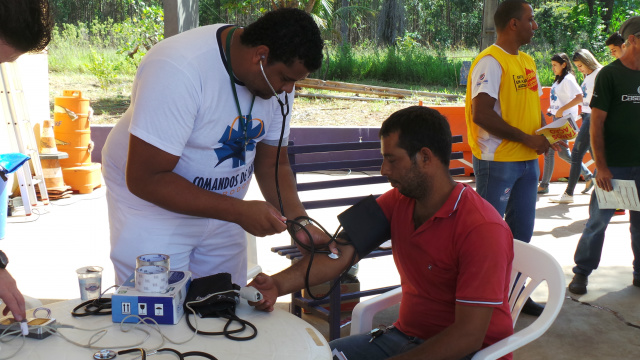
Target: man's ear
425, 155
261, 54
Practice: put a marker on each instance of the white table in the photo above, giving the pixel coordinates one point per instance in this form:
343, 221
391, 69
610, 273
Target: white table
281, 336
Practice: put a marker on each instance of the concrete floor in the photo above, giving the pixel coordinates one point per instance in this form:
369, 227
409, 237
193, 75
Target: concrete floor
45, 249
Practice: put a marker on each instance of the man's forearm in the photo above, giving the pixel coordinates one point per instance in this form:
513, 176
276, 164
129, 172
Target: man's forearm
323, 269
596, 129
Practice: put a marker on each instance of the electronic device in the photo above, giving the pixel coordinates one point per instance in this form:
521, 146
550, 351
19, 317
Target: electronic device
36, 326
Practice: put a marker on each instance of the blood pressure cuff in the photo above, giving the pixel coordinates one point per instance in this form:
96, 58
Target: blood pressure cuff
213, 296
365, 226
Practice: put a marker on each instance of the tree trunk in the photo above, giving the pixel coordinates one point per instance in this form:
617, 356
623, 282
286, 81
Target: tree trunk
391, 22
344, 28
607, 14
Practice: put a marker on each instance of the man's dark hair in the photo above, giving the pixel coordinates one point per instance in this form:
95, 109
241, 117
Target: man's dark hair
562, 58
419, 127
26, 25
615, 39
507, 10
289, 34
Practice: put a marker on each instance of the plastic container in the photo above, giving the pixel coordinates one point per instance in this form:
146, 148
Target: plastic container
72, 128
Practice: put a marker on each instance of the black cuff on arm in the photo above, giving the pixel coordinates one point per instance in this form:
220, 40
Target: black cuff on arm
365, 225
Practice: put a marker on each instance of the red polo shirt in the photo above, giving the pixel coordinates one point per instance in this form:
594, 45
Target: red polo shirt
462, 255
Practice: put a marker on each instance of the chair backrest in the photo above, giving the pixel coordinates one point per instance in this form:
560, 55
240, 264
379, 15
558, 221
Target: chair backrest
352, 158
531, 266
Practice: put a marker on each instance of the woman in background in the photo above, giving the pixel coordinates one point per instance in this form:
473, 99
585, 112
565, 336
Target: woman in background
566, 95
589, 67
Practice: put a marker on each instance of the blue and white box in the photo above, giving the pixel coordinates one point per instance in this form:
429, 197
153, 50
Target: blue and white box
164, 308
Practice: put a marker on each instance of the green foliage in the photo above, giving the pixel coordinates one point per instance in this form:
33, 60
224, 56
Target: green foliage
141, 32
407, 63
106, 67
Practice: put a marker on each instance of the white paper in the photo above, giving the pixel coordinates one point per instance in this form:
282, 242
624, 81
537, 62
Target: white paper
623, 196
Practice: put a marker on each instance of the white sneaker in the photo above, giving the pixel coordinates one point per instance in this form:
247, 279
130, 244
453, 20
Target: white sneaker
564, 199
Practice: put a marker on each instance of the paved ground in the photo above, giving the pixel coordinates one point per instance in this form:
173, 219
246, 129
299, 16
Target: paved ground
46, 249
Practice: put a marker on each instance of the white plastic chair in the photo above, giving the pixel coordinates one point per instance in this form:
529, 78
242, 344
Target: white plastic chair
535, 264
253, 268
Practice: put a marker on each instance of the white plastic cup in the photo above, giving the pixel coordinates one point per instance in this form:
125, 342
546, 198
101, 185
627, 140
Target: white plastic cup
90, 282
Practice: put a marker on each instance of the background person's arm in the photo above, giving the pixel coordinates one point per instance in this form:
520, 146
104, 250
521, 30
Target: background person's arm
485, 116
574, 102
150, 176
603, 175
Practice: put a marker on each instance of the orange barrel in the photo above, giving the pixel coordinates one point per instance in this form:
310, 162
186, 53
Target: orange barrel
72, 129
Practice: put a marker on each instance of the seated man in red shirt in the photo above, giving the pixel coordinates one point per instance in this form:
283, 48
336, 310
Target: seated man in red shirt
452, 249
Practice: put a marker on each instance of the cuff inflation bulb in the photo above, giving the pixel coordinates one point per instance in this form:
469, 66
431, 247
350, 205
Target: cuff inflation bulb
250, 293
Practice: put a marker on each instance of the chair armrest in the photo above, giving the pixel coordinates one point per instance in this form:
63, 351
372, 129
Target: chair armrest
362, 316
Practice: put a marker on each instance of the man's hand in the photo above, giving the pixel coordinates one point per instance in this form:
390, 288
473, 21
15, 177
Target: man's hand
265, 284
603, 179
260, 218
11, 296
558, 145
538, 143
320, 239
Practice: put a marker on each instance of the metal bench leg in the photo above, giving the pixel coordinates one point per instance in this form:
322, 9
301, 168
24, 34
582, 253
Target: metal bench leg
334, 311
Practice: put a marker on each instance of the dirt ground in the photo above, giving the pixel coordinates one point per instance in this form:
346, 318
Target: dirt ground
110, 104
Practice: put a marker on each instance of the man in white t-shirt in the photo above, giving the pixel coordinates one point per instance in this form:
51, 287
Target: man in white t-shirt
203, 119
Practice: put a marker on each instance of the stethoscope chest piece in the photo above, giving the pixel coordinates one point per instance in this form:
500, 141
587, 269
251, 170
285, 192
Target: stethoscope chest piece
104, 354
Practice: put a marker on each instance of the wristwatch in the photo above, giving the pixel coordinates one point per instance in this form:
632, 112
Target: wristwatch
303, 223
4, 260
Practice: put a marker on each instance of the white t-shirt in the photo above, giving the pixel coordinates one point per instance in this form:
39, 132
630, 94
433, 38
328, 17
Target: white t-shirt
182, 103
587, 90
563, 93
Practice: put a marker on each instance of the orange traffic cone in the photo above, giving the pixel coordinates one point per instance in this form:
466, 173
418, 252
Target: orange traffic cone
50, 160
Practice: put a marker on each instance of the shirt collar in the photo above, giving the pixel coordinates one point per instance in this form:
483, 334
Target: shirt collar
452, 203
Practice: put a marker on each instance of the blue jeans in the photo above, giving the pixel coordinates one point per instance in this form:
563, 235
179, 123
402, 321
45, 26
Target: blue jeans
580, 147
589, 249
511, 187
389, 344
550, 161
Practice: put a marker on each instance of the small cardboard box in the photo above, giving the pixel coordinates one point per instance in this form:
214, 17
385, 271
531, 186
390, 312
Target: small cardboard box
345, 305
164, 308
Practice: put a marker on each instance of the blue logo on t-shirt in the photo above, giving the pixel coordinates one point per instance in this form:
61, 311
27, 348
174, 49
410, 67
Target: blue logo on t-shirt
235, 142
553, 96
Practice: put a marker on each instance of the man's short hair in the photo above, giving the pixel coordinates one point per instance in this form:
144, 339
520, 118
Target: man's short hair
615, 39
419, 127
289, 34
26, 25
507, 10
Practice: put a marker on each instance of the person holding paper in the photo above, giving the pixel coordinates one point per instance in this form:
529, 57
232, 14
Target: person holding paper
566, 95
589, 67
502, 112
615, 129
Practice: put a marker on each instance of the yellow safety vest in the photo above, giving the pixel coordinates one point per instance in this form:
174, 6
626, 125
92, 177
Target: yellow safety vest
519, 103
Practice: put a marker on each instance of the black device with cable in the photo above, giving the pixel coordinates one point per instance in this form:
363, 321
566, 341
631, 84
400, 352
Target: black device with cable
99, 306
180, 355
216, 296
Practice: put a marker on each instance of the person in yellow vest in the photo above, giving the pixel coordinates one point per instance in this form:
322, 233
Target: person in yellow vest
502, 113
